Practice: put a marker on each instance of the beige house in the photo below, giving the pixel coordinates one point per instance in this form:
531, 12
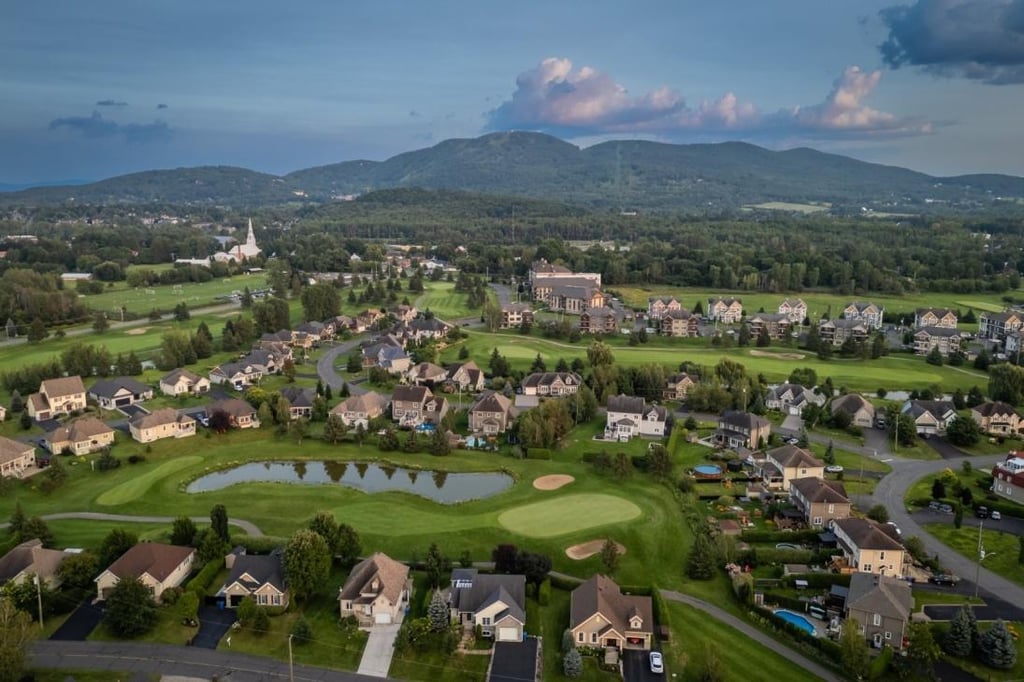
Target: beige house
724, 310
551, 384
158, 566
464, 376
415, 405
999, 325
601, 616
935, 317
183, 382
376, 591
15, 457
930, 417
869, 547
881, 606
166, 422
836, 332
82, 436
657, 306
599, 320
782, 465
996, 418
494, 603
677, 386
820, 501
491, 414
742, 429
426, 373
794, 309
360, 409
862, 412
774, 325
868, 313
258, 576
30, 558
56, 397
514, 314
680, 323
241, 414
947, 340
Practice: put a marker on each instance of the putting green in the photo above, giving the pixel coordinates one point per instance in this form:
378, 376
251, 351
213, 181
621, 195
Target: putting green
137, 487
568, 514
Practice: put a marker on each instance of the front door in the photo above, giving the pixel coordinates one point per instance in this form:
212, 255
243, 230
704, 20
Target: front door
878, 640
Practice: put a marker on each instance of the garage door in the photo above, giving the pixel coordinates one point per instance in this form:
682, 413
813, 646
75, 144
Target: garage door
508, 634
121, 402
382, 618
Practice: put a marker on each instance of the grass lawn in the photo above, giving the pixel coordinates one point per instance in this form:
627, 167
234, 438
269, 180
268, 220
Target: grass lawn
1001, 549
554, 619
439, 667
137, 487
921, 490
42, 675
923, 598
168, 630
141, 300
441, 299
568, 514
89, 534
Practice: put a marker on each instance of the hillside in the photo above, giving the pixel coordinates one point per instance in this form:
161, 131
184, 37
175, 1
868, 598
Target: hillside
617, 175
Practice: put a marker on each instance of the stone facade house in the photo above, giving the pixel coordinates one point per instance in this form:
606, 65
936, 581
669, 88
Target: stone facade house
599, 320
775, 325
600, 616
677, 385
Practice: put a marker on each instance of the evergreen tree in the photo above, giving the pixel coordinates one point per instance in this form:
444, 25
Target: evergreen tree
996, 647
37, 331
701, 563
572, 663
334, 429
538, 364
17, 523
963, 630
130, 610
438, 613
219, 522
183, 532
100, 323
439, 445
610, 556
922, 650
388, 441
435, 564
830, 453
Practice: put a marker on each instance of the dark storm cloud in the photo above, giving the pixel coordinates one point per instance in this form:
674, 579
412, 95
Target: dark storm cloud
111, 103
96, 126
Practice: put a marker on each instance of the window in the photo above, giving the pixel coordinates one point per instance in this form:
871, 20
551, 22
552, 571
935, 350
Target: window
485, 621
888, 635
593, 638
831, 509
882, 556
816, 521
580, 637
876, 619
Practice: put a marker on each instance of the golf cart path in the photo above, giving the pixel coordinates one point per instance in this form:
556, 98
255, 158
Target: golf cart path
248, 526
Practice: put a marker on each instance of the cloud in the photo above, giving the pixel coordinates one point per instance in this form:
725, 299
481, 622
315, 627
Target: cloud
96, 126
976, 39
161, 106
111, 103
413, 113
557, 98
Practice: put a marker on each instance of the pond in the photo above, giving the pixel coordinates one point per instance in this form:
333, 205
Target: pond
439, 486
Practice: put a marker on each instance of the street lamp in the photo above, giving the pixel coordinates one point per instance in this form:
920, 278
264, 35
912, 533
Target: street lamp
39, 594
981, 557
291, 665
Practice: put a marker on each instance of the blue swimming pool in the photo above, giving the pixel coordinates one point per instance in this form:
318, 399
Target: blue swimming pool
798, 620
707, 471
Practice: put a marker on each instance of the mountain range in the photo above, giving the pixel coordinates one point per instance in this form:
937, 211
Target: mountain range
615, 175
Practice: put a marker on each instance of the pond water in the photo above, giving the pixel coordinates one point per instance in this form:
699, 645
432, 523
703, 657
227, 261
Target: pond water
439, 486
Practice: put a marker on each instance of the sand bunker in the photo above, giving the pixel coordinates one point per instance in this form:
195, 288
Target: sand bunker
589, 549
552, 481
136, 331
780, 356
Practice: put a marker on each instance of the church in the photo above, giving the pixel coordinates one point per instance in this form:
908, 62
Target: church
240, 252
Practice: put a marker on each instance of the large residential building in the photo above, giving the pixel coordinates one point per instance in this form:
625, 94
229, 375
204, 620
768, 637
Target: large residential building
866, 312
15, 457
158, 566
774, 325
56, 397
947, 340
869, 547
569, 295
724, 310
601, 320
792, 398
544, 270
998, 326
1008, 478
601, 616
376, 592
657, 306
784, 464
935, 317
415, 405
358, 410
514, 314
629, 416
881, 605
678, 323
794, 309
742, 429
166, 422
819, 500
997, 418
79, 437
836, 332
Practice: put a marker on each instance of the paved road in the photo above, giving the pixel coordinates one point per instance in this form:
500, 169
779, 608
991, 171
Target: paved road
165, 659
325, 366
248, 526
503, 292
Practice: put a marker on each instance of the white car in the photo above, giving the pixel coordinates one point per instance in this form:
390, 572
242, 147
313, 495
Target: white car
833, 468
657, 665
996, 516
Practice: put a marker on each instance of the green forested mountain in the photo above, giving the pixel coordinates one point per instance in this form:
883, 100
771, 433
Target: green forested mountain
617, 175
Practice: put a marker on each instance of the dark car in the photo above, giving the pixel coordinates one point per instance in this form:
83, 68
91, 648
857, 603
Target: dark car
943, 579
981, 512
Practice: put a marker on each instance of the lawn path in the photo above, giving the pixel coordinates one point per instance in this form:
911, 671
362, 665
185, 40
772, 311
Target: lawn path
248, 526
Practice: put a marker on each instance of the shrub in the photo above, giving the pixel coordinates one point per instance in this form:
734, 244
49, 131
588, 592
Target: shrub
204, 578
302, 631
538, 453
880, 665
136, 459
572, 664
544, 592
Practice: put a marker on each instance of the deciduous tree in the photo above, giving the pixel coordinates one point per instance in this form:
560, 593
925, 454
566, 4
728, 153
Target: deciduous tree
307, 563
131, 610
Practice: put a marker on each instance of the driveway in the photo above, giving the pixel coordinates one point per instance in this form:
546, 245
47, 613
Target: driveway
945, 449
80, 623
514, 661
213, 624
792, 425
380, 647
132, 410
325, 365
636, 667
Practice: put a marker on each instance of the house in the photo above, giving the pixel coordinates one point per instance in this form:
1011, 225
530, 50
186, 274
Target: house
866, 312
881, 605
862, 412
238, 375
1008, 478
513, 315
551, 384
836, 332
677, 385
996, 418
784, 464
657, 306
464, 376
774, 325
869, 547
55, 397
241, 414
792, 398
110, 394
725, 310
572, 296
163, 423
930, 417
310, 334
629, 416
80, 437
300, 401
266, 362
491, 414
494, 603
935, 317
680, 323
427, 328
30, 558
258, 576
742, 429
794, 309
599, 320
3, 413
426, 374
415, 405
405, 313
360, 409
158, 566
15, 457
542, 270
376, 592
947, 340
819, 500
184, 382
600, 616
998, 326
388, 352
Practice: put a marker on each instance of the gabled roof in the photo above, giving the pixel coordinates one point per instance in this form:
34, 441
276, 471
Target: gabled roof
726, 301
254, 571
391, 574
30, 556
548, 378
165, 415
793, 456
368, 403
473, 591
411, 394
660, 413
852, 403
426, 370
626, 403
937, 312
676, 379
108, 388
152, 558
174, 375
939, 409
769, 317
299, 397
844, 323
11, 449
937, 331
867, 534
678, 315
601, 595
233, 406
817, 490
79, 430
744, 420
492, 401
994, 409
880, 594
63, 386
861, 306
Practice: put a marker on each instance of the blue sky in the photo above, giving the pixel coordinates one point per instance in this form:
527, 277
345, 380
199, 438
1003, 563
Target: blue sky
96, 89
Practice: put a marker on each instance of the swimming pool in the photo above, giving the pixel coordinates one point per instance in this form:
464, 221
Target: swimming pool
797, 620
707, 471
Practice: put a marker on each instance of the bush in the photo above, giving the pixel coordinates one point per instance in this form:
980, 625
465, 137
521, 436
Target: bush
880, 665
795, 537
136, 459
544, 592
261, 621
302, 631
258, 545
204, 578
538, 453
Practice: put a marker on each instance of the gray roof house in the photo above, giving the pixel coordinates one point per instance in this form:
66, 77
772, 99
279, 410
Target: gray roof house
882, 606
496, 603
258, 576
111, 394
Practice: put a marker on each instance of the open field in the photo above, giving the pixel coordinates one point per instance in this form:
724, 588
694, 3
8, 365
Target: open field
141, 300
1001, 548
137, 487
790, 207
441, 299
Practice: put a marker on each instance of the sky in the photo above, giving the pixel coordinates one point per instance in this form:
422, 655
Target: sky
96, 89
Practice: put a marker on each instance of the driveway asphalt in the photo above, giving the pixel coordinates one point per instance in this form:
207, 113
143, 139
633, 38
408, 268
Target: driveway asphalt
380, 647
514, 661
214, 623
945, 449
636, 667
80, 623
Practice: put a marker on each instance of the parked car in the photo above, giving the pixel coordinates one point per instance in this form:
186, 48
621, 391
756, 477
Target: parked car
657, 665
943, 579
981, 512
935, 504
894, 527
792, 441
946, 508
996, 516
833, 468
879, 422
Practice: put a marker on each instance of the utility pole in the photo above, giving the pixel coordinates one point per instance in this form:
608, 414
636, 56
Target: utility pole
39, 594
981, 557
291, 665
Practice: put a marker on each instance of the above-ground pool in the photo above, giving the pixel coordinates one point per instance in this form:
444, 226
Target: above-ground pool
707, 471
787, 545
797, 620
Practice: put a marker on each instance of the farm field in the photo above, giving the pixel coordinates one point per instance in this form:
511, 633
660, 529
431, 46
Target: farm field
141, 300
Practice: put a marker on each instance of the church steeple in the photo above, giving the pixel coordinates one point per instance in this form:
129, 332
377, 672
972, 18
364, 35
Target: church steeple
250, 238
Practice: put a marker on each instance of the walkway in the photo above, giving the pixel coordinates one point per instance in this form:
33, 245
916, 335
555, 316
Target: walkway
249, 527
166, 659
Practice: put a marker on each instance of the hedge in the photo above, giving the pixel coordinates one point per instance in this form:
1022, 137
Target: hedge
564, 582
203, 579
263, 544
796, 537
765, 557
818, 580
544, 592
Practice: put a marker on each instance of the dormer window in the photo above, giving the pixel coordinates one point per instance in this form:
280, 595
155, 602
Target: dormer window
636, 623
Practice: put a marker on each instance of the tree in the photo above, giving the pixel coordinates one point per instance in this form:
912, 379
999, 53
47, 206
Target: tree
538, 364
498, 365
77, 571
298, 429
435, 564
348, 545
504, 558
320, 302
934, 357
659, 463
181, 312
701, 563
982, 360
209, 546
16, 522
903, 424
599, 354
183, 532
35, 527
712, 669
37, 331
533, 565
131, 610
1020, 552
805, 376
853, 650
219, 522
963, 431
1006, 383
117, 542
938, 489
996, 647
100, 323
922, 651
610, 556
963, 631
307, 563
16, 632
325, 525
958, 515
334, 429
439, 613
354, 363
572, 663
879, 513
